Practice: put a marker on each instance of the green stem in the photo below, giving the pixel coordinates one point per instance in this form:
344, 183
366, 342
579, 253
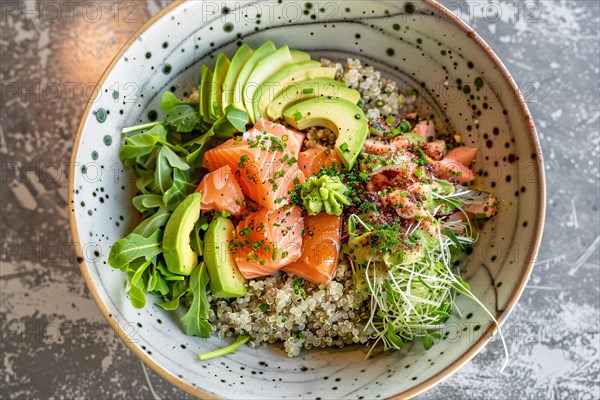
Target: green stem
136, 128
199, 139
232, 348
174, 147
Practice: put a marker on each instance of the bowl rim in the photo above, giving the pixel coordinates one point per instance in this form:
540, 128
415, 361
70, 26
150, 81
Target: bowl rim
420, 388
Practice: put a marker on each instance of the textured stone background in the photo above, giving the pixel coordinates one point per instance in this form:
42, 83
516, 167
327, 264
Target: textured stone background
54, 341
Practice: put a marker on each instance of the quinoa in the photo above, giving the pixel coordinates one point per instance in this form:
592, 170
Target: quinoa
283, 307
380, 96
194, 97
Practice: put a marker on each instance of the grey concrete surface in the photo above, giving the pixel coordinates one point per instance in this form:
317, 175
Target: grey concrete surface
54, 341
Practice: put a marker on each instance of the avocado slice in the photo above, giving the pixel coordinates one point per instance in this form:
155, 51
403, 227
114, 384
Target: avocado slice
343, 117
204, 93
263, 70
226, 279
258, 54
216, 93
308, 89
299, 56
280, 80
237, 63
179, 255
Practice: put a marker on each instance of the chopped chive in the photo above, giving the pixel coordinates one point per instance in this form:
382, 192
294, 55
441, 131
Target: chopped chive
404, 126
246, 231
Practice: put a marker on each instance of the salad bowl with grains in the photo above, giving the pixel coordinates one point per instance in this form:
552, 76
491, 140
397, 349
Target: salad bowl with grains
338, 209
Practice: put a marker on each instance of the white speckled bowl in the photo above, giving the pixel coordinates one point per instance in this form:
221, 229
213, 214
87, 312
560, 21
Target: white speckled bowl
423, 46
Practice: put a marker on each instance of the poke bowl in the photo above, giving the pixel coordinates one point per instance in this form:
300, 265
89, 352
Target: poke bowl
306, 199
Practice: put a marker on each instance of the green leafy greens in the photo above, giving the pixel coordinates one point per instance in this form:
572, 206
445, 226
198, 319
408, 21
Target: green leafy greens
166, 157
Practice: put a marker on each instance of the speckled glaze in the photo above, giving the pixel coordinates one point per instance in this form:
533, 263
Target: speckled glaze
463, 85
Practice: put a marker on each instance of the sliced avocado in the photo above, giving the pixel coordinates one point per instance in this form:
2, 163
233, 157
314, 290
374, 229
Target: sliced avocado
238, 94
299, 56
179, 255
276, 83
205, 89
225, 277
261, 72
343, 117
237, 63
308, 89
216, 93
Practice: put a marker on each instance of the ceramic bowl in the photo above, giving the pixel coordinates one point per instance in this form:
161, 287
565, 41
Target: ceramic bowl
421, 45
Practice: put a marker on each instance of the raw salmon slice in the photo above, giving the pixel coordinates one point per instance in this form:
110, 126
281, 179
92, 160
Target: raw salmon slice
448, 168
464, 155
263, 164
375, 146
310, 161
489, 208
221, 192
290, 135
320, 248
426, 129
435, 149
268, 240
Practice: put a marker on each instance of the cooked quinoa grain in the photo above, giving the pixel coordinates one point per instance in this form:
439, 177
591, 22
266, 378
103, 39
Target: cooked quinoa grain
380, 96
285, 308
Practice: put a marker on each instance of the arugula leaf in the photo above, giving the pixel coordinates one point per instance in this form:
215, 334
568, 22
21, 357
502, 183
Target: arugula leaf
156, 283
196, 319
173, 159
224, 128
236, 117
162, 174
147, 162
183, 117
169, 100
135, 285
147, 202
183, 185
141, 144
195, 241
138, 145
178, 289
166, 163
151, 224
233, 121
202, 126
168, 275
205, 143
132, 247
143, 182
147, 184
